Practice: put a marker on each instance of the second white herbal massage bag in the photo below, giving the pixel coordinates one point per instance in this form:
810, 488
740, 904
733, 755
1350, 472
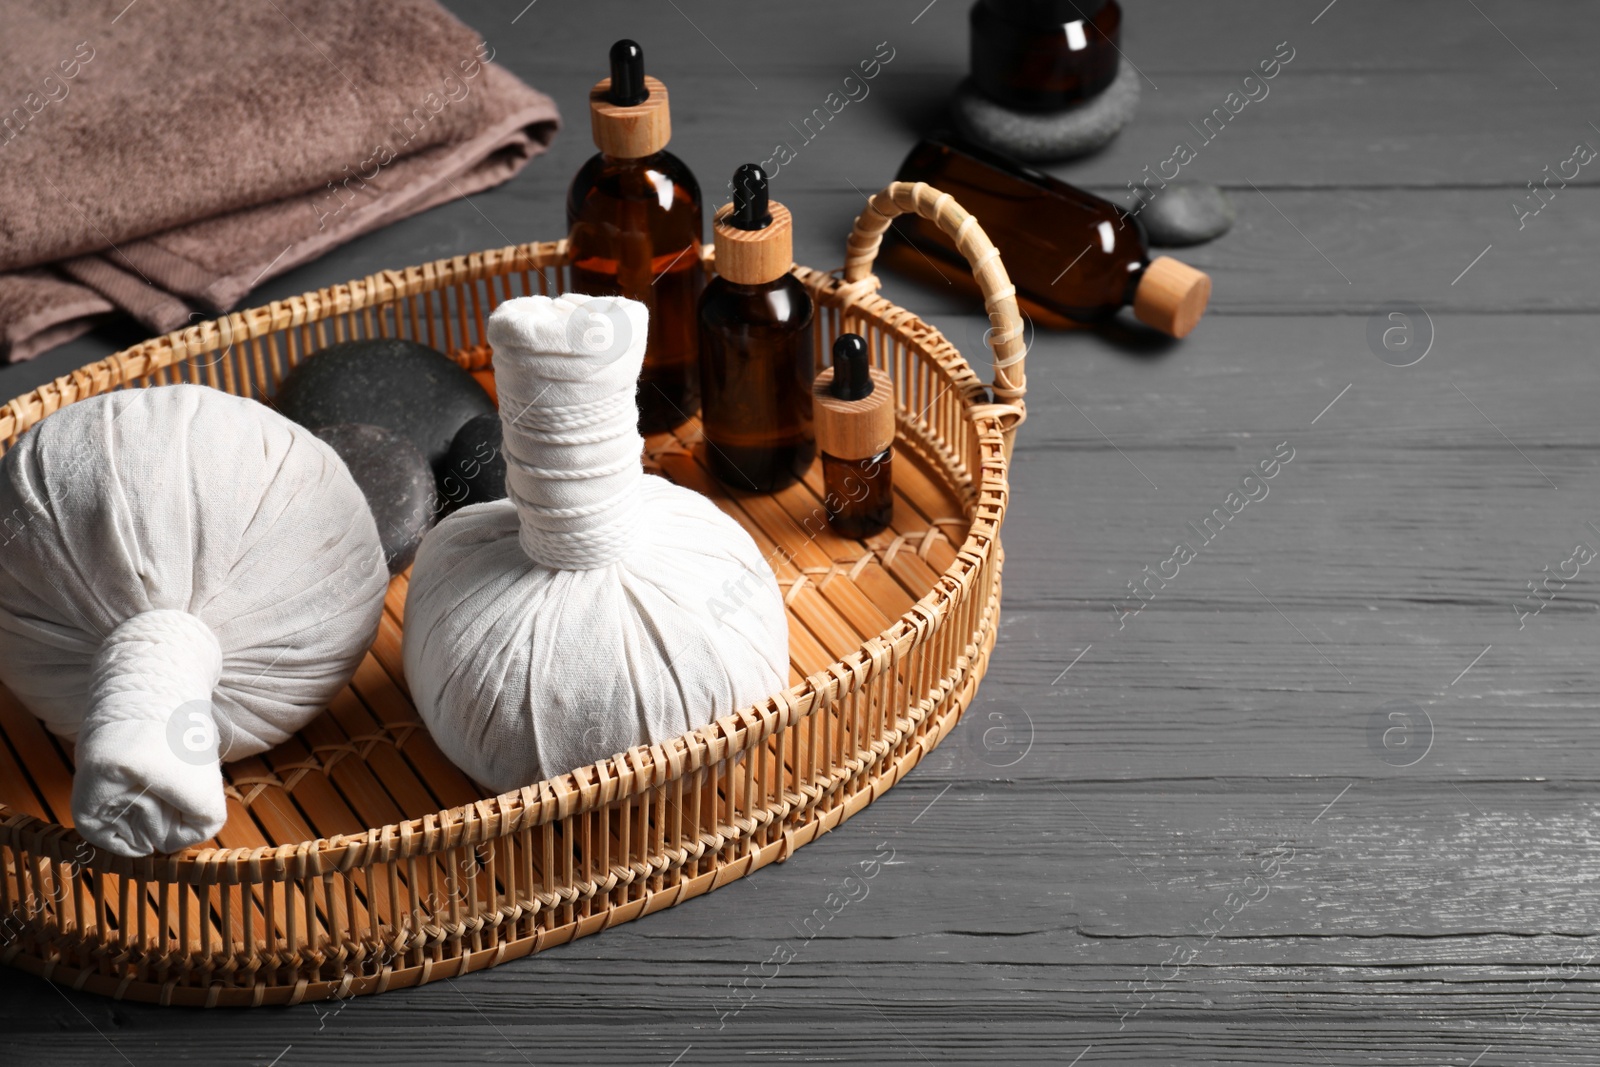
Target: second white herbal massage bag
597, 607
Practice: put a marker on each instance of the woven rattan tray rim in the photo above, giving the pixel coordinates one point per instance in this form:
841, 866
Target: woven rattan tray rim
645, 766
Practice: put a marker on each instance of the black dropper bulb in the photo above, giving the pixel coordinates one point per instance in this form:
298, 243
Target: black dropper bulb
627, 75
850, 378
750, 199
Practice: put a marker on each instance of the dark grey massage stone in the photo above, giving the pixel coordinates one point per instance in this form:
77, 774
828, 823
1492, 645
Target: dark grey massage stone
395, 479
1042, 136
475, 468
405, 387
1184, 213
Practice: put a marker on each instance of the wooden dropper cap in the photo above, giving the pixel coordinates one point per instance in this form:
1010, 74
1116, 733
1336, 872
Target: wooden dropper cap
1171, 296
852, 403
628, 111
754, 236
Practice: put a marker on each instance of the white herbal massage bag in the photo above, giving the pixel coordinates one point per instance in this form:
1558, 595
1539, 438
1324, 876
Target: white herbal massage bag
186, 575
598, 607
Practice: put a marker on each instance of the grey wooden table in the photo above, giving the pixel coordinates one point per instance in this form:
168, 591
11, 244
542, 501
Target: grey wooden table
1328, 796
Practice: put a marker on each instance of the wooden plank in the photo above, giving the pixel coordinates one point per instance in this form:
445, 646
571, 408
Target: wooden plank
1094, 934
393, 711
17, 790
49, 772
1435, 913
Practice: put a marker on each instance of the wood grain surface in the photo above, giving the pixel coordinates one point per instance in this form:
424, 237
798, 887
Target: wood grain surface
1330, 795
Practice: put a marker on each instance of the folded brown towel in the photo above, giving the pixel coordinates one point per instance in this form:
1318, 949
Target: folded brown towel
175, 155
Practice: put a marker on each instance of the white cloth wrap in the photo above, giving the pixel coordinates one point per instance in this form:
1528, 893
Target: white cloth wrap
145, 796
571, 426
598, 607
174, 551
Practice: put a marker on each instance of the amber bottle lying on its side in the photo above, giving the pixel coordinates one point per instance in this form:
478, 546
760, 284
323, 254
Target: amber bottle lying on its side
633, 213
1066, 250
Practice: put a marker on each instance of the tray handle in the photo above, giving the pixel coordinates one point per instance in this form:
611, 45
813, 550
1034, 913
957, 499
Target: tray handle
999, 295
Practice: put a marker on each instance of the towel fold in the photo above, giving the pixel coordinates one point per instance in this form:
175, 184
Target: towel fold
165, 160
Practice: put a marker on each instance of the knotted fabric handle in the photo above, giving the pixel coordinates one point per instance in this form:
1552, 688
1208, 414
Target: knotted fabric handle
566, 370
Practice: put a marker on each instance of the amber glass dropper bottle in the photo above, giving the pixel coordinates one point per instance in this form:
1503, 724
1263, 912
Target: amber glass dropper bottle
1065, 249
756, 359
634, 221
854, 406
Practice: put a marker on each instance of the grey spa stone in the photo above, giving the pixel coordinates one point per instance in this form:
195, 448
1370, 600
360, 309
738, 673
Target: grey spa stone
396, 480
475, 469
405, 387
1038, 137
1184, 213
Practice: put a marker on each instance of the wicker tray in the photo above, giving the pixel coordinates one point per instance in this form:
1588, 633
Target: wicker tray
357, 859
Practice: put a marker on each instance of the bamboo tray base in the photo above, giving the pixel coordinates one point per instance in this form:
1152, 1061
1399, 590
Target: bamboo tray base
369, 761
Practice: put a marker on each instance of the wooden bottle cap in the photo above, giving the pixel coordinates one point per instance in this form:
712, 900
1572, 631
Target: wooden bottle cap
630, 132
853, 429
1171, 296
754, 257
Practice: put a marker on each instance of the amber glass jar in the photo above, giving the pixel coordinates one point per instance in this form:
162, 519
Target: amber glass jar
634, 228
1044, 55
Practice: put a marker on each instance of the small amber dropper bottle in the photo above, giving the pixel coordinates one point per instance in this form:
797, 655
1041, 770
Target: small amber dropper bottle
756, 359
854, 405
634, 221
